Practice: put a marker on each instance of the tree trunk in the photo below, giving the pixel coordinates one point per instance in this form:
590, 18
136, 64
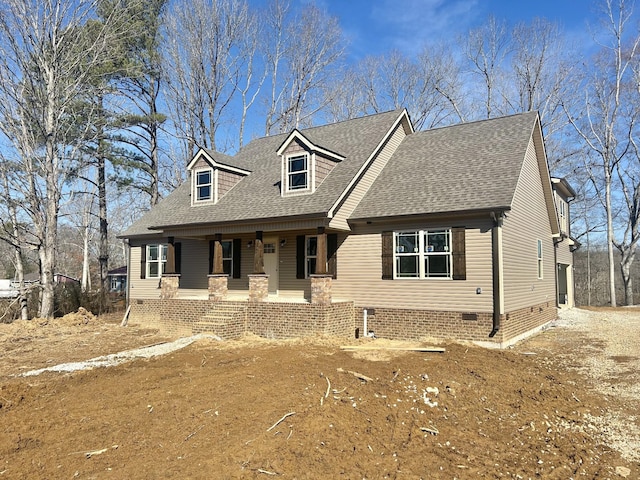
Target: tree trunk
86, 278
608, 207
104, 229
627, 279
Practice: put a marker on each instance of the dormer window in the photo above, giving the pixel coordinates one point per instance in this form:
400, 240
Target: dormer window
298, 172
304, 165
204, 184
211, 179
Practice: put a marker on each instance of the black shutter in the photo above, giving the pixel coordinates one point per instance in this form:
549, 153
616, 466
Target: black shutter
300, 247
237, 249
178, 256
212, 246
387, 255
459, 254
143, 261
332, 254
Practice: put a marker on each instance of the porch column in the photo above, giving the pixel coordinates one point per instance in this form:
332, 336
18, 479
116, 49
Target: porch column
321, 280
321, 254
170, 280
217, 280
258, 255
218, 267
170, 267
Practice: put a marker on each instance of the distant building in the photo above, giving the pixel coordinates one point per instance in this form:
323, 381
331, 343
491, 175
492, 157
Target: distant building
118, 280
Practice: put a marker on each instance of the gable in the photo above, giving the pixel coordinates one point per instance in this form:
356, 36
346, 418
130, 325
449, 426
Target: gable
462, 168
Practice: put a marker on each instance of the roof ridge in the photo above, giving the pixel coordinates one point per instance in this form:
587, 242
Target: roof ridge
481, 120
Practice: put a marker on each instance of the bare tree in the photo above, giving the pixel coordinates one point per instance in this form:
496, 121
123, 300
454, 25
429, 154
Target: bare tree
299, 61
203, 66
44, 59
607, 129
486, 48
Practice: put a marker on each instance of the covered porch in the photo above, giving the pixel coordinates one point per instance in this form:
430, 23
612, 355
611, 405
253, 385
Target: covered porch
273, 266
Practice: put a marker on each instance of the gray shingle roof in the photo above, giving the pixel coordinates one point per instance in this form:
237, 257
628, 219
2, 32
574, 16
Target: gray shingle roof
257, 196
471, 166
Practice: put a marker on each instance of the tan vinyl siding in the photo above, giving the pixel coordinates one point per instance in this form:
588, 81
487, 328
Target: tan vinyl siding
360, 273
563, 253
527, 222
141, 287
362, 186
226, 181
194, 264
562, 208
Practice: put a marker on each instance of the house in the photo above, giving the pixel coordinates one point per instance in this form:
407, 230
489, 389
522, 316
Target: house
118, 279
356, 227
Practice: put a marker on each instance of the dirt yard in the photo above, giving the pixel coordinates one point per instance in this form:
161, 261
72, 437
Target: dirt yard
562, 405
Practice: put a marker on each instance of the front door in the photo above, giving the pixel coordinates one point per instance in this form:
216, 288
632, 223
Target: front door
271, 262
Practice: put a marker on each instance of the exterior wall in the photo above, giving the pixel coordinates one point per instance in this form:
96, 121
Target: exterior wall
518, 323
323, 167
142, 287
526, 222
359, 276
362, 186
564, 253
194, 264
226, 181
271, 320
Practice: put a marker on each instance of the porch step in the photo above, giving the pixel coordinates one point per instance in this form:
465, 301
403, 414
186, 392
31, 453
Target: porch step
226, 320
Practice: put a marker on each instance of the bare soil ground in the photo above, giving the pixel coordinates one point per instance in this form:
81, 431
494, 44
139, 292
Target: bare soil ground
561, 405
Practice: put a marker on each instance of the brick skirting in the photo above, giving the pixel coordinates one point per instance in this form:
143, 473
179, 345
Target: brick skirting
268, 319
290, 320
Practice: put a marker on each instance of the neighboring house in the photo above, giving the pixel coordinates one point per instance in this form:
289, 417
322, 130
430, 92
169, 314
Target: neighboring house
118, 280
58, 278
7, 289
358, 226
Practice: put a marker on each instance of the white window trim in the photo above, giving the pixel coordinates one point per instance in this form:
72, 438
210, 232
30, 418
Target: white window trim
311, 173
540, 260
230, 258
161, 263
422, 255
307, 257
214, 186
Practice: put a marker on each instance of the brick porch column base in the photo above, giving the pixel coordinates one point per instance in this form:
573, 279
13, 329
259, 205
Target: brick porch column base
321, 289
169, 284
218, 286
258, 287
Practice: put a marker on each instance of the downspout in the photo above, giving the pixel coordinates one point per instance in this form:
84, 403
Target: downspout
496, 264
556, 242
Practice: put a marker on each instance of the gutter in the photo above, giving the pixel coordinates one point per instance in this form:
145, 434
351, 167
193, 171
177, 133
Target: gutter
496, 269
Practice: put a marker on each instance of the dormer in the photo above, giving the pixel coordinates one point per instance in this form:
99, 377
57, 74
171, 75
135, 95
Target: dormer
211, 178
304, 165
562, 195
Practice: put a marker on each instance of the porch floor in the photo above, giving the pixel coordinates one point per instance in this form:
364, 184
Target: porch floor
243, 296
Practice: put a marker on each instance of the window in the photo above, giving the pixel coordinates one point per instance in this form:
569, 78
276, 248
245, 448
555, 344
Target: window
540, 259
311, 255
156, 260
423, 254
297, 172
227, 257
204, 185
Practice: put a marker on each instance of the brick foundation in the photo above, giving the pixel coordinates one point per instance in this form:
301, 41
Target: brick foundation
182, 317
290, 320
218, 286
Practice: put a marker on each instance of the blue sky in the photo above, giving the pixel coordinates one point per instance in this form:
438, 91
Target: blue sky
377, 26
